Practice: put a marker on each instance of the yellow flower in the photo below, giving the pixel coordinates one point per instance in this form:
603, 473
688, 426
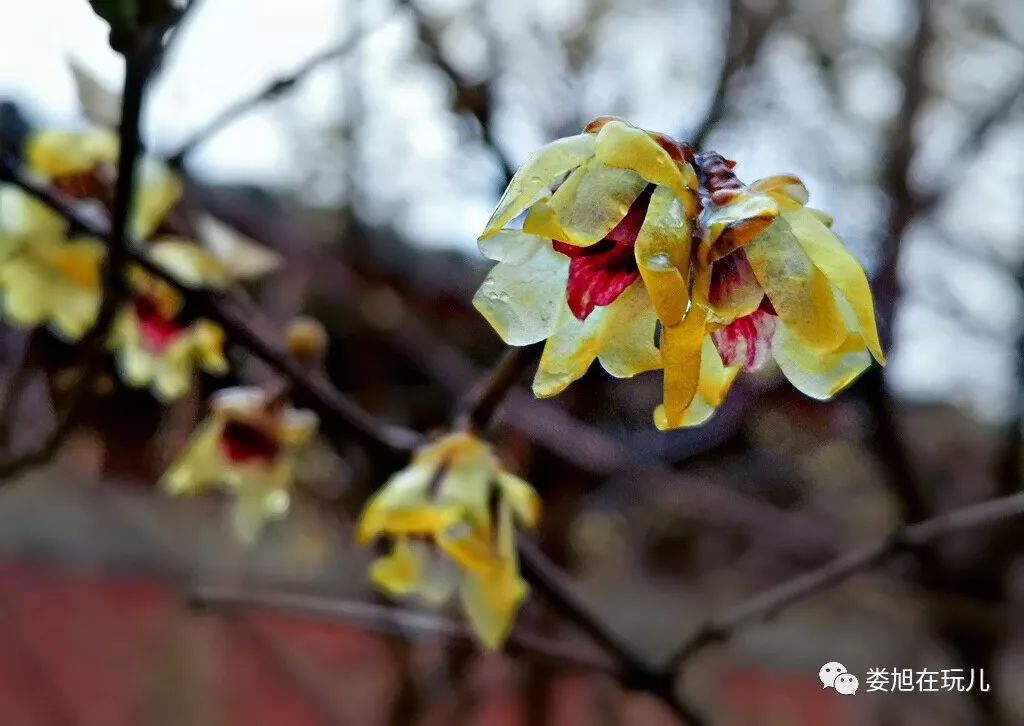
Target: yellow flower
83, 165
249, 445
603, 254
155, 344
772, 280
452, 516
57, 284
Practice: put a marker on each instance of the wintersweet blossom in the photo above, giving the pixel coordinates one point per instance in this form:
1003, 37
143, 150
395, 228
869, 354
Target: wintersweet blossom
83, 166
249, 446
772, 281
603, 255
452, 516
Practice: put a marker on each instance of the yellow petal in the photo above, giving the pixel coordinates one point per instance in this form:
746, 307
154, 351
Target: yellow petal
208, 343
400, 572
627, 347
799, 291
786, 184
491, 598
195, 467
627, 147
569, 351
593, 199
537, 175
681, 356
241, 257
745, 206
830, 256
521, 497
541, 221
715, 381
264, 497
663, 255
189, 263
816, 375
402, 505
521, 299
159, 190
298, 427
58, 153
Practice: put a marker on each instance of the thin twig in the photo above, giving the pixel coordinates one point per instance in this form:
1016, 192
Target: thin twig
274, 89
140, 62
313, 388
400, 623
483, 401
907, 538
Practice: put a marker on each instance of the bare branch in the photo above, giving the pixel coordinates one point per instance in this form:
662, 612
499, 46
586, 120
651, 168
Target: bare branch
270, 91
398, 622
907, 538
333, 406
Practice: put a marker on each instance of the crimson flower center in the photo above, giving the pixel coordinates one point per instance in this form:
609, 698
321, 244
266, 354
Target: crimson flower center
243, 443
156, 331
601, 272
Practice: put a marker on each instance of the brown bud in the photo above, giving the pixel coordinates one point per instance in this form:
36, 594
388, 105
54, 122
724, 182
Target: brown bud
306, 339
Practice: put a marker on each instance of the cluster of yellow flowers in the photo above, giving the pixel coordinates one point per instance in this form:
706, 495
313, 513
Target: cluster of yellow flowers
633, 250
50, 279
639, 253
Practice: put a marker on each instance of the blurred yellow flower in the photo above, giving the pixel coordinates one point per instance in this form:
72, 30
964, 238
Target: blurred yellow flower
57, 284
772, 280
603, 254
155, 343
452, 516
83, 165
249, 446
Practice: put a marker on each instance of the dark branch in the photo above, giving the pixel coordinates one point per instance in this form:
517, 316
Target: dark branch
908, 538
400, 623
271, 90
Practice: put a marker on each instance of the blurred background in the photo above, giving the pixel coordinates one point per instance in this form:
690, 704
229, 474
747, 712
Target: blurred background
372, 176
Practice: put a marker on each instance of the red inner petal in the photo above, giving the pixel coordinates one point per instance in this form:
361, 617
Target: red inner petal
598, 274
244, 443
747, 341
156, 331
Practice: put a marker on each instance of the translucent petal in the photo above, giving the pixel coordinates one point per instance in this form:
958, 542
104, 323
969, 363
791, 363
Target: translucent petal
786, 184
521, 300
195, 466
263, 498
188, 263
569, 351
744, 207
627, 147
510, 245
818, 376
593, 200
537, 175
241, 257
404, 490
799, 291
542, 222
715, 382
681, 356
400, 572
57, 153
521, 497
628, 348
159, 190
830, 256
663, 255
491, 598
